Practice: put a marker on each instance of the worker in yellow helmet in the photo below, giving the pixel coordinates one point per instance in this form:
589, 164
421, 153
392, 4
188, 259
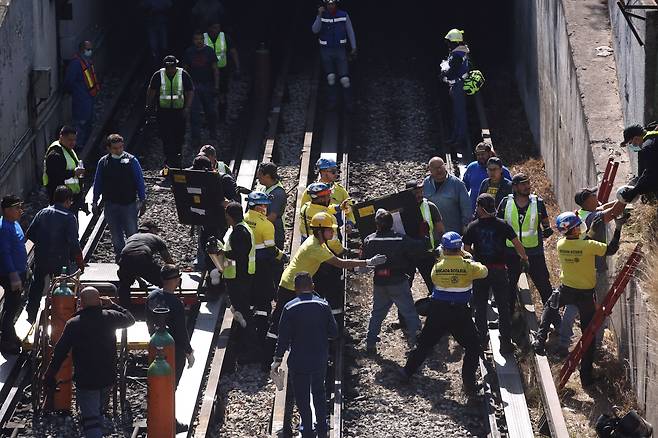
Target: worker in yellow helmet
454, 70
308, 258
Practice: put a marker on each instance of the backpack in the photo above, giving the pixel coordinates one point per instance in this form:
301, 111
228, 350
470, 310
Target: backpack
473, 82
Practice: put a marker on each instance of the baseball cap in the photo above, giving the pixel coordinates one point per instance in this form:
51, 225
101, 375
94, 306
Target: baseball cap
487, 202
413, 184
169, 272
11, 201
582, 195
170, 60
519, 178
483, 147
632, 131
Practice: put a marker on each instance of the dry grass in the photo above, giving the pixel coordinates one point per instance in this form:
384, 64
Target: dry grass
643, 227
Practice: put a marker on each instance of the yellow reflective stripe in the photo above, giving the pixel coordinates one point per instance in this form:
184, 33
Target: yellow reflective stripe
427, 217
260, 246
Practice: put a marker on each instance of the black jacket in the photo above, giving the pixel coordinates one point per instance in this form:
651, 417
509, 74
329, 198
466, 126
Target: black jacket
175, 319
504, 188
90, 333
240, 247
57, 172
401, 253
647, 160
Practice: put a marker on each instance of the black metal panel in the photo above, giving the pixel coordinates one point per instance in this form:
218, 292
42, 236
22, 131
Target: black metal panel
199, 196
402, 205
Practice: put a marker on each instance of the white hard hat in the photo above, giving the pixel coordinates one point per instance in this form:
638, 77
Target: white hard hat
623, 197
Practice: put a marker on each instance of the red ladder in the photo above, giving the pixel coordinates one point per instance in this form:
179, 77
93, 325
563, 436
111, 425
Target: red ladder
608, 180
602, 312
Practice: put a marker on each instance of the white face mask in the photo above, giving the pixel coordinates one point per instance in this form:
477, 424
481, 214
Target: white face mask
87, 53
115, 156
634, 148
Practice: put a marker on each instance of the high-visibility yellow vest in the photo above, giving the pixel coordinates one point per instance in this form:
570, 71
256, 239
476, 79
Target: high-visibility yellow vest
230, 271
72, 160
89, 75
261, 227
650, 134
427, 217
528, 234
172, 94
582, 214
219, 46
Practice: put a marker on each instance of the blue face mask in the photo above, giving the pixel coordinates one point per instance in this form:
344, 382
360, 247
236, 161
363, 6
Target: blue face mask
634, 147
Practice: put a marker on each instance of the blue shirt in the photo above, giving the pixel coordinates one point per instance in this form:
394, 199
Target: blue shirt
451, 198
54, 231
136, 171
74, 82
305, 327
473, 177
13, 257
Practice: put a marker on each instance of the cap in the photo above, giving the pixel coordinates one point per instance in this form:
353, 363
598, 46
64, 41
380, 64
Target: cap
483, 147
519, 178
170, 60
632, 131
11, 201
487, 202
495, 161
169, 272
582, 195
413, 184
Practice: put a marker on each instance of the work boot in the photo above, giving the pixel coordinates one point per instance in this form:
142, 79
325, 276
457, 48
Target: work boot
506, 346
180, 427
539, 346
470, 388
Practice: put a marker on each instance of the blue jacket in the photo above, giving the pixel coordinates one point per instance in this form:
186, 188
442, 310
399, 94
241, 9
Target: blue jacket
473, 177
82, 102
126, 169
334, 30
452, 200
305, 327
458, 65
54, 231
13, 257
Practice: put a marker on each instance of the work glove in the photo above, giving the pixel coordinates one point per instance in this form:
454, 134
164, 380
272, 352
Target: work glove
141, 207
215, 277
525, 265
237, 315
190, 359
594, 226
377, 260
95, 209
85, 208
622, 219
547, 232
277, 374
15, 282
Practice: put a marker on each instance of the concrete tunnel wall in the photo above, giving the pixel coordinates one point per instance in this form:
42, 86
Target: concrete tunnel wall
576, 119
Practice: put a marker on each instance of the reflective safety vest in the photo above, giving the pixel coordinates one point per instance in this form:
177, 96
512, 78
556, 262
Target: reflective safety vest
223, 168
89, 75
333, 32
219, 46
230, 270
172, 94
528, 232
72, 161
649, 135
452, 277
427, 217
583, 214
262, 229
269, 189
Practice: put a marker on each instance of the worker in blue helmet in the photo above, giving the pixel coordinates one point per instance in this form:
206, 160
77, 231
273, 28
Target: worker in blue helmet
328, 173
450, 312
578, 282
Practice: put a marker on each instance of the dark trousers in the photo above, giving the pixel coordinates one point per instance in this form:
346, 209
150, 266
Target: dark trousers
262, 296
41, 270
305, 384
538, 274
171, 128
585, 300
239, 291
329, 285
180, 364
424, 267
447, 318
204, 101
283, 296
132, 266
9, 309
498, 283
459, 133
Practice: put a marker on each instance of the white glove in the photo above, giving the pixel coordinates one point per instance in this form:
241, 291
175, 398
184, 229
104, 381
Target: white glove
15, 282
239, 317
377, 260
276, 374
215, 277
190, 359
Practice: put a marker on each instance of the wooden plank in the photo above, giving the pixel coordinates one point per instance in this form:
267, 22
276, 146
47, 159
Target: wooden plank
189, 388
208, 400
512, 394
545, 383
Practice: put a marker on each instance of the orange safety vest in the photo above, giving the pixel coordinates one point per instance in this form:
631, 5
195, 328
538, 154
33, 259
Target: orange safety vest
89, 74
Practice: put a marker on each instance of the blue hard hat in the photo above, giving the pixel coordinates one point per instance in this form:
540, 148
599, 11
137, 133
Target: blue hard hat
318, 189
567, 221
325, 163
451, 240
258, 198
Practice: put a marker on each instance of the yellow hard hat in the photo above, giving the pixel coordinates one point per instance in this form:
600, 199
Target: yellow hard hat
322, 220
455, 36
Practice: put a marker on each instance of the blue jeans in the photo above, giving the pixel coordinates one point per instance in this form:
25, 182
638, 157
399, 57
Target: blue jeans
305, 384
122, 220
204, 100
90, 403
459, 123
334, 61
566, 327
384, 296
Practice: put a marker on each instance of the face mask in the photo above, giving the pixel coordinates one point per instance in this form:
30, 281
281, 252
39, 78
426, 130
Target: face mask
87, 53
116, 157
634, 148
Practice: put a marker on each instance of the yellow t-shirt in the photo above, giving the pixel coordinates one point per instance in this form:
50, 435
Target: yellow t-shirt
308, 258
263, 229
338, 195
307, 212
577, 262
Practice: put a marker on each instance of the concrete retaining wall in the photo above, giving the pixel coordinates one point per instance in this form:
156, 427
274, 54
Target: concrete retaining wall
576, 113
